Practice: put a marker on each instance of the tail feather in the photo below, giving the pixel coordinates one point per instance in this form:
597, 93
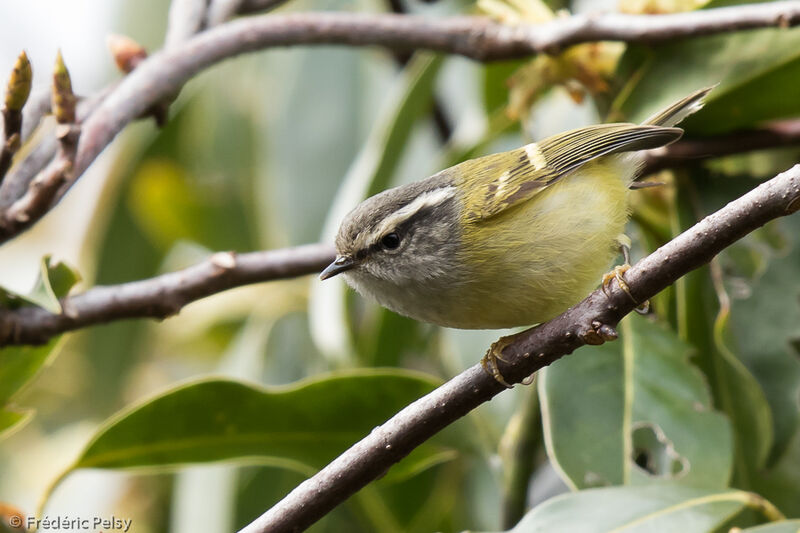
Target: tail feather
680, 110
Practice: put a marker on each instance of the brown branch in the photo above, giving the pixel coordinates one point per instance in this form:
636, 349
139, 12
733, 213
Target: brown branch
161, 296
37, 107
10, 142
43, 190
17, 92
220, 11
688, 151
250, 7
164, 73
43, 154
185, 18
530, 351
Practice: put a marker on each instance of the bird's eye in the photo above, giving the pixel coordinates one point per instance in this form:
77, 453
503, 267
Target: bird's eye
390, 241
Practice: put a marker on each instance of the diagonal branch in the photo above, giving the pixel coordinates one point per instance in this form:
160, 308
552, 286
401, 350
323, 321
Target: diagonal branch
536, 348
161, 296
164, 73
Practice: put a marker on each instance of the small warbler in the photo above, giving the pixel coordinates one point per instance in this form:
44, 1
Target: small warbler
509, 239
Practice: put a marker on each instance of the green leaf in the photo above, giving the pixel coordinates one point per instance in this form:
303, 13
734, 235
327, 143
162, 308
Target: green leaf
195, 181
781, 482
18, 366
170, 204
11, 420
703, 324
369, 174
633, 411
784, 526
390, 337
303, 426
757, 72
495, 83
54, 282
656, 508
764, 321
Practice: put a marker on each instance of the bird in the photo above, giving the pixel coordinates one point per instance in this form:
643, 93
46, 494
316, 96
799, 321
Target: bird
508, 239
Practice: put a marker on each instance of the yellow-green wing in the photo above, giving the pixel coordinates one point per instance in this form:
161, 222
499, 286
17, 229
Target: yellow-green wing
500, 181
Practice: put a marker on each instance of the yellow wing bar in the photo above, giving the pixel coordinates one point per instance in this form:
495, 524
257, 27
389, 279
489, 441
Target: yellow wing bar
507, 179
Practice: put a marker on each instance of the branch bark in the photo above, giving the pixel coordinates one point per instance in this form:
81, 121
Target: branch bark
689, 151
43, 154
530, 351
161, 296
164, 73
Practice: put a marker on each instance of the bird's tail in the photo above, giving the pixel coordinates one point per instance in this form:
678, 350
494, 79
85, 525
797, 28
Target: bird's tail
680, 110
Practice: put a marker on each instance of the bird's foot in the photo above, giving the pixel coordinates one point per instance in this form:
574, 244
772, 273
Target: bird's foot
619, 274
494, 354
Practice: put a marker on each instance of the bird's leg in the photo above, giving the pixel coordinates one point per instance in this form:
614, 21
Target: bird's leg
494, 354
619, 272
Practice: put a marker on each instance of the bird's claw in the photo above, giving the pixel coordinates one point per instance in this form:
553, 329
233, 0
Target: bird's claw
494, 354
617, 274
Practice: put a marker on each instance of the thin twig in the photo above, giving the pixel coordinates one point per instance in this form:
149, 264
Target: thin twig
17, 92
164, 73
36, 109
538, 347
250, 7
689, 151
43, 154
161, 296
220, 11
43, 190
185, 18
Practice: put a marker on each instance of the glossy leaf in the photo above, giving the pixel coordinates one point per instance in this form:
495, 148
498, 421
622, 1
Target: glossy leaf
307, 424
704, 324
653, 509
781, 481
765, 319
784, 526
12, 420
54, 282
633, 411
18, 366
495, 83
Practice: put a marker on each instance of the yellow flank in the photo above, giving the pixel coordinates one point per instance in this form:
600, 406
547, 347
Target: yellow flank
532, 261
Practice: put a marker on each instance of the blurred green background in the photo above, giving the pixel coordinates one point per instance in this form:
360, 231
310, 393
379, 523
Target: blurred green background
270, 150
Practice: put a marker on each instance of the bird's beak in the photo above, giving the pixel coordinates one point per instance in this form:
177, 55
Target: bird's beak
341, 264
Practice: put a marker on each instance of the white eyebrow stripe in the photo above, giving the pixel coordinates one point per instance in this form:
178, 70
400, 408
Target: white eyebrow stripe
426, 199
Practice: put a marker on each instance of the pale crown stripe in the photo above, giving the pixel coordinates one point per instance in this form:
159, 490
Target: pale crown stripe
427, 199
